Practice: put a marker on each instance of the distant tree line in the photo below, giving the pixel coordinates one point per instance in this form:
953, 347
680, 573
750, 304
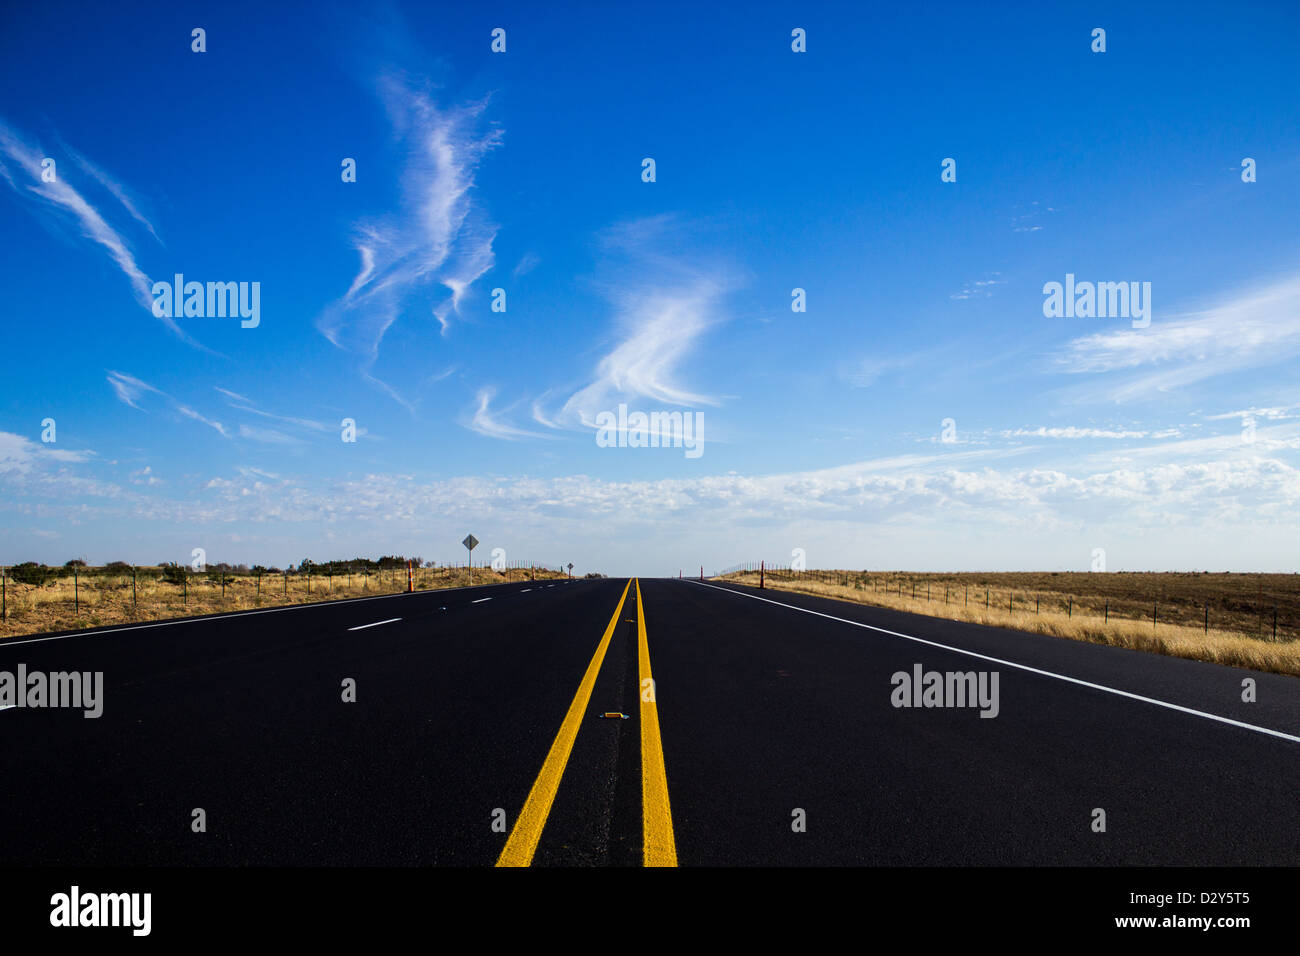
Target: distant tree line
36, 574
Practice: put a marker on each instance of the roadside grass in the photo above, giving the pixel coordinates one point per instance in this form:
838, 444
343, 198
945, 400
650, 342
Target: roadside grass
106, 599
1011, 601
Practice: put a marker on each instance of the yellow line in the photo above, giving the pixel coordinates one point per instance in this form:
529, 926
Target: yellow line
527, 830
659, 848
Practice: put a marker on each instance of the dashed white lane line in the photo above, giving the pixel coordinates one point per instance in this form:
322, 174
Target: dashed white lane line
480, 601
375, 624
525, 590
1023, 667
315, 605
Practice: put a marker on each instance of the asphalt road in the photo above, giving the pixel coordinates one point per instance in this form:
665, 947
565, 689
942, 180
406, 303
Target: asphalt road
760, 729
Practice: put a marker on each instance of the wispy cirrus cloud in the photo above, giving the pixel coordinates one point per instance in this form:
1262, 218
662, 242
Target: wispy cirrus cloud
271, 436
485, 422
865, 372
244, 404
526, 264
135, 392
1074, 431
113, 185
288, 429
1254, 329
20, 454
61, 196
661, 328
1274, 413
664, 305
130, 390
202, 419
439, 236
1028, 221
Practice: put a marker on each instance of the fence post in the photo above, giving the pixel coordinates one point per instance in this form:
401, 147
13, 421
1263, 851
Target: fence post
76, 592
286, 583
1155, 605
1069, 611
259, 585
185, 588
1207, 617
762, 575
1275, 622
4, 594
1107, 610
133, 600
223, 585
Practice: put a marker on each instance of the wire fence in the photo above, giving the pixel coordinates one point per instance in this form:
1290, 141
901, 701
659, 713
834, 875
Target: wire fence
1265, 606
38, 598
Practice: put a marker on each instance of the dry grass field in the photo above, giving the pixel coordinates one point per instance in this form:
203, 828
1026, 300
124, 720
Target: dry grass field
98, 598
1253, 619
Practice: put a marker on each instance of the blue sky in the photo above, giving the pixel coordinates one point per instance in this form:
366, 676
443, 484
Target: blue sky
1173, 445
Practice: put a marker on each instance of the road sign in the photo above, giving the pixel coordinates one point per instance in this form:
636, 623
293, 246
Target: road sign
570, 565
470, 542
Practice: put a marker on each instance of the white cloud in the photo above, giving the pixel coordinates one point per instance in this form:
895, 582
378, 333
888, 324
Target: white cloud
93, 225
1203, 498
243, 404
486, 423
664, 305
130, 389
1275, 413
527, 264
1072, 431
191, 413
980, 287
933, 491
21, 454
438, 235
112, 185
145, 476
1254, 329
270, 436
864, 372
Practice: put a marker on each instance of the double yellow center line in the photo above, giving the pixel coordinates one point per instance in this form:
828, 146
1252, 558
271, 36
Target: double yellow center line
659, 848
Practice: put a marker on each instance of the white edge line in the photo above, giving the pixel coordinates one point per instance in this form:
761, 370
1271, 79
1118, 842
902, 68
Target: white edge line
211, 618
1023, 667
375, 624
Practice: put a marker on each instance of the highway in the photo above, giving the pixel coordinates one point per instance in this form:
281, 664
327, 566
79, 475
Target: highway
745, 727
